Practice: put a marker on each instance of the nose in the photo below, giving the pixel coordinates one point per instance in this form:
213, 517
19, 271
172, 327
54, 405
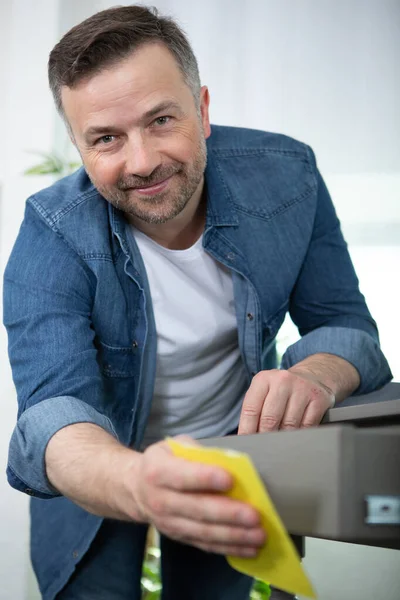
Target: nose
141, 155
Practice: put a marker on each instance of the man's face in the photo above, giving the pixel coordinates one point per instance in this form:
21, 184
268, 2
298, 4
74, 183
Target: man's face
140, 134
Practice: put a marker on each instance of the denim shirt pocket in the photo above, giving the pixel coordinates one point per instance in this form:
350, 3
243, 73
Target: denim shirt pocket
117, 361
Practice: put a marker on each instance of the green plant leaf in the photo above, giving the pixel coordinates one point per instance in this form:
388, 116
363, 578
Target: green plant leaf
150, 570
149, 585
52, 165
260, 590
154, 552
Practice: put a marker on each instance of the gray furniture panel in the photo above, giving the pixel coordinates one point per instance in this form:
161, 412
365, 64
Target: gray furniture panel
334, 481
381, 407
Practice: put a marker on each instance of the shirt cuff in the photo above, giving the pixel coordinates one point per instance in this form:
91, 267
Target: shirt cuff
26, 469
353, 345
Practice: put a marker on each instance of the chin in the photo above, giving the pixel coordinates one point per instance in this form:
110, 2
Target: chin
154, 217
160, 212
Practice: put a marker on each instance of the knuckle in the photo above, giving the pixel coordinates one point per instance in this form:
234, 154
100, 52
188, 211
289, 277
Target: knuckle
260, 376
250, 410
205, 532
151, 473
283, 376
191, 477
290, 424
308, 423
269, 422
236, 535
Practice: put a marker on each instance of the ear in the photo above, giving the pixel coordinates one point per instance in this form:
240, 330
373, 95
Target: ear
204, 110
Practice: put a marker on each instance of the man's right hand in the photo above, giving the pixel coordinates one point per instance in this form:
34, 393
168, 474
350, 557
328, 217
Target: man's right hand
183, 500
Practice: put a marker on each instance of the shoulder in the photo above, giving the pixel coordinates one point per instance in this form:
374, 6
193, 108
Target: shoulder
57, 200
74, 210
241, 141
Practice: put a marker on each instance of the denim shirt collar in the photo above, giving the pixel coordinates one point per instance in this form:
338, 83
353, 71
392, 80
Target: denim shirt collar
220, 211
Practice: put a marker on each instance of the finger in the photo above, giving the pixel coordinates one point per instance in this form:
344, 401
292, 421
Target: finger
313, 414
240, 551
163, 470
210, 535
186, 439
253, 403
274, 406
295, 409
205, 508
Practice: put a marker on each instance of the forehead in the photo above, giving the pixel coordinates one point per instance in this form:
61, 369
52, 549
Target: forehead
143, 78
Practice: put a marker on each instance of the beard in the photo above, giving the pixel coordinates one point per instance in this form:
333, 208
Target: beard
167, 204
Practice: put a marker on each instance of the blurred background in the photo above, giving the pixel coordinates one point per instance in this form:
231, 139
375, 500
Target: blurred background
323, 71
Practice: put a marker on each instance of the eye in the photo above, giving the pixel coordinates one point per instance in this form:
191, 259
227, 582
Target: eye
105, 139
162, 120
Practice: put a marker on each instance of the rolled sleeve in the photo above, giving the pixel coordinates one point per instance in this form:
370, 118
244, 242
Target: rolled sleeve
354, 345
26, 466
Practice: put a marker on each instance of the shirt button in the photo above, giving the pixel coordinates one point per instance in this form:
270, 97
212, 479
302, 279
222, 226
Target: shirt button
230, 256
135, 344
29, 492
250, 316
75, 554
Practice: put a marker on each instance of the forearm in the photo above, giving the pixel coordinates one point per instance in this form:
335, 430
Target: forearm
90, 467
332, 371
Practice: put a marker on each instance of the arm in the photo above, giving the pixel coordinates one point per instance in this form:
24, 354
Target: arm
327, 306
88, 465
338, 354
181, 498
297, 397
64, 442
48, 294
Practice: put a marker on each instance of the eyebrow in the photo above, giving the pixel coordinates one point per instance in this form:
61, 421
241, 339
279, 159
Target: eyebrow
161, 107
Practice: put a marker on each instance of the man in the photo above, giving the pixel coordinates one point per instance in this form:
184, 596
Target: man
142, 299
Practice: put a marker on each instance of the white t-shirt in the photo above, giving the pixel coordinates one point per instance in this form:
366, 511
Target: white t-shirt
200, 377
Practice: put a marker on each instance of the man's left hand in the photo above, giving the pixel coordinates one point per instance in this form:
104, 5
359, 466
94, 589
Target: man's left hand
280, 399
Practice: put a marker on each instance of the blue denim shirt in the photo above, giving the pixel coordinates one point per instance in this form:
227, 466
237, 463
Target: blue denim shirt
82, 338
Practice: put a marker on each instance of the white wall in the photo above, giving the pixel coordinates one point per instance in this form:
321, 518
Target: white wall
323, 71
349, 572
28, 31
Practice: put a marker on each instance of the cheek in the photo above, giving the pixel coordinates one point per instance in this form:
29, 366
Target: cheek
184, 150
183, 143
104, 169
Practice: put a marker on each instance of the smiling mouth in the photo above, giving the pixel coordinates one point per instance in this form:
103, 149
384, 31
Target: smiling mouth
154, 188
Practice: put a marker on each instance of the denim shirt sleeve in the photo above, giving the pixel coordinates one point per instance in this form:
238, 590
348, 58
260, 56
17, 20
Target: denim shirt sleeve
26, 470
327, 306
47, 305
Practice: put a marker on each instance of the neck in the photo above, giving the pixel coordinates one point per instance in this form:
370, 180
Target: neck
184, 230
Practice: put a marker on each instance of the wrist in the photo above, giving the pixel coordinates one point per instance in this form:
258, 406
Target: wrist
331, 371
126, 492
